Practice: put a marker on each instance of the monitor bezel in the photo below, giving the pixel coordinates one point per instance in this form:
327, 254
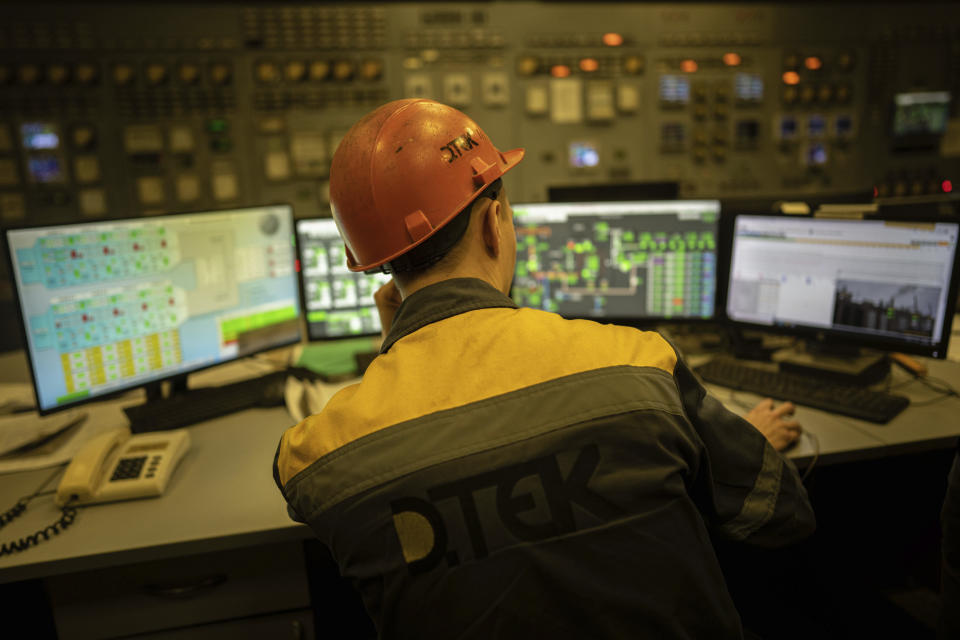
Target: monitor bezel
126, 389
833, 336
650, 322
303, 289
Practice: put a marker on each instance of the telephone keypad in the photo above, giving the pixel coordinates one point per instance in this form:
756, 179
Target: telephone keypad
128, 468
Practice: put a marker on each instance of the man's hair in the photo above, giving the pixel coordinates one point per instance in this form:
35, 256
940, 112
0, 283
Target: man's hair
439, 245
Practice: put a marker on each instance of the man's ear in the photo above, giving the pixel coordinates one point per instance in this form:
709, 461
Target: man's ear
490, 221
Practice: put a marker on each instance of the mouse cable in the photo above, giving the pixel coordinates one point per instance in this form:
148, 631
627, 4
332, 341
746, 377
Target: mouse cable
67, 515
815, 441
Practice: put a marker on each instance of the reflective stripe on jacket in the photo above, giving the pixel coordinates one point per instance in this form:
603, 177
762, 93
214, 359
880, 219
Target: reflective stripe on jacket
506, 473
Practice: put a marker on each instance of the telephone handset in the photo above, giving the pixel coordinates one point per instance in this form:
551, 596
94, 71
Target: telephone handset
117, 466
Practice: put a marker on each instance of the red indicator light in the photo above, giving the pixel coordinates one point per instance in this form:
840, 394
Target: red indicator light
876, 192
813, 63
947, 186
612, 39
688, 66
560, 71
732, 59
791, 77
589, 65
296, 265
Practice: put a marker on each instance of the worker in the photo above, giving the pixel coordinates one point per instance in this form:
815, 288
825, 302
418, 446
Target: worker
503, 472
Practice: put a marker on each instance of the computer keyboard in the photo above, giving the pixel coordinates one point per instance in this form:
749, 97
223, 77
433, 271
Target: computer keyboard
206, 403
854, 401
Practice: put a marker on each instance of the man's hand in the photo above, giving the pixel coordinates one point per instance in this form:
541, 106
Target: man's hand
775, 423
388, 301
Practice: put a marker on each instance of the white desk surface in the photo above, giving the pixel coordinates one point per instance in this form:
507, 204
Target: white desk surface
223, 495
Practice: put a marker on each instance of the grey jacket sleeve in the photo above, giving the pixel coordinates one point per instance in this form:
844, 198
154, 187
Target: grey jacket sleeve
745, 489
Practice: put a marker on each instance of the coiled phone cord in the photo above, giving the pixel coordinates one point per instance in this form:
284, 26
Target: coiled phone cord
67, 515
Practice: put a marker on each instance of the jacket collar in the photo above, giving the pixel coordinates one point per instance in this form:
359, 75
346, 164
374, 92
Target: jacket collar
440, 301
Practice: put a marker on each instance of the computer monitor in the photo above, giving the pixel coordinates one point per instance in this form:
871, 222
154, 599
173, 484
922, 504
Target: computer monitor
627, 262
108, 306
339, 303
884, 284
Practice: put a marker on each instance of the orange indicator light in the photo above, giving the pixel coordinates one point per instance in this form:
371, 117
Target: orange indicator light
791, 77
732, 59
813, 63
589, 64
688, 66
612, 39
560, 71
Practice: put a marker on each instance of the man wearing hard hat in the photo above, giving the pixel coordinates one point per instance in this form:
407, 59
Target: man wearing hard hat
503, 472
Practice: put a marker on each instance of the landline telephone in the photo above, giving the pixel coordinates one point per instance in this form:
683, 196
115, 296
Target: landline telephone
117, 466
111, 466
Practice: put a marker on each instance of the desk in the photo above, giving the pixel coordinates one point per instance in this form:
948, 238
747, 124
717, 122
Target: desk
223, 496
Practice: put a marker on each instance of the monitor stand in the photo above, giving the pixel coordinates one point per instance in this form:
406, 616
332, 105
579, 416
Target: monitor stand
176, 385
843, 364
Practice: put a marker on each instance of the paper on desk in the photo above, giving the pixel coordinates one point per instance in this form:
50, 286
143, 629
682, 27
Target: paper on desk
20, 429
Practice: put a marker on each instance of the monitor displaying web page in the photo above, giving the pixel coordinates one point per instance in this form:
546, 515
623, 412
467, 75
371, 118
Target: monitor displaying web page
874, 282
112, 305
628, 261
339, 302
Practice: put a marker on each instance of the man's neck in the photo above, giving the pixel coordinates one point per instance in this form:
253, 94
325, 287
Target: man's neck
413, 284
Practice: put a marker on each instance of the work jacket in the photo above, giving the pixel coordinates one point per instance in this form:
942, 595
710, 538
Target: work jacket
507, 473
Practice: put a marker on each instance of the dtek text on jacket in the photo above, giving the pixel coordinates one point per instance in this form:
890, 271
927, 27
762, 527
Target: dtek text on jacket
506, 473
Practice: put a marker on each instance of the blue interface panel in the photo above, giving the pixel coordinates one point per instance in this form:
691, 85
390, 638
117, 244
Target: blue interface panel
116, 304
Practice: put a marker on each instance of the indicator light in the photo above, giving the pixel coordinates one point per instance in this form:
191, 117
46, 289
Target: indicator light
688, 66
732, 59
612, 39
791, 77
947, 186
589, 65
813, 63
560, 71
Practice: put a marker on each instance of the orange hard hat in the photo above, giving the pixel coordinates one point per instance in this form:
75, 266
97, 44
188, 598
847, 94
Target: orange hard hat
403, 172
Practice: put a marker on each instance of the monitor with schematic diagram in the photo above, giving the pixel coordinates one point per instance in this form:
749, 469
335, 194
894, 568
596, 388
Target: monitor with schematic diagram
108, 306
338, 302
631, 262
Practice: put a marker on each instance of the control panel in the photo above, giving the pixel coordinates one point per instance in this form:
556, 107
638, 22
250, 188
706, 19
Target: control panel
119, 110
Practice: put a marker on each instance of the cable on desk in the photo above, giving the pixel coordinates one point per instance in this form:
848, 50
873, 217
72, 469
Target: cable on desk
816, 456
67, 515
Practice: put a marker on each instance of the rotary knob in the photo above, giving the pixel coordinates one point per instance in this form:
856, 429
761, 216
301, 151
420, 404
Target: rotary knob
189, 73
58, 74
156, 74
87, 73
319, 70
28, 74
295, 71
221, 73
123, 74
343, 70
